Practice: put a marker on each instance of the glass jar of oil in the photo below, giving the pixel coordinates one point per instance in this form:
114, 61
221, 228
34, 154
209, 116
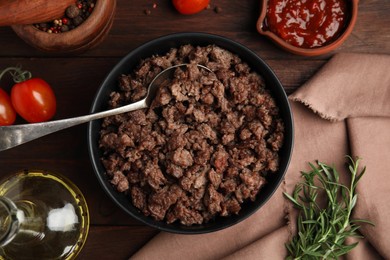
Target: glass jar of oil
42, 216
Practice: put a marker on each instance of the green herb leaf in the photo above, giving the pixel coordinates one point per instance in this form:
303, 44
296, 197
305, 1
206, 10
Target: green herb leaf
322, 231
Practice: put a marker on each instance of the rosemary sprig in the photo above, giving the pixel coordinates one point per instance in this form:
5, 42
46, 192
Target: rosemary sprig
322, 231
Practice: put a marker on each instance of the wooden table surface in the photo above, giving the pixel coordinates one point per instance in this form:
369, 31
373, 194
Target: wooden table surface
75, 79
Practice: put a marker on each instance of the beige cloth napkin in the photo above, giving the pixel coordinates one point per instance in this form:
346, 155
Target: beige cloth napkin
343, 109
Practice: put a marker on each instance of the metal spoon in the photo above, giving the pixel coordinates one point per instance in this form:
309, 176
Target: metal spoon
11, 136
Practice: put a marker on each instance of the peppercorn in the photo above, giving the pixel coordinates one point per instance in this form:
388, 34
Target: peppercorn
43, 25
64, 28
72, 11
217, 9
75, 15
65, 21
77, 20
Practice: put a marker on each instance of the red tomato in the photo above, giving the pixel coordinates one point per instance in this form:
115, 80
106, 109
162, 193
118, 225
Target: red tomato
34, 100
7, 112
190, 6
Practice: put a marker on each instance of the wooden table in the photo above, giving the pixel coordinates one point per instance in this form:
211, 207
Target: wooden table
75, 79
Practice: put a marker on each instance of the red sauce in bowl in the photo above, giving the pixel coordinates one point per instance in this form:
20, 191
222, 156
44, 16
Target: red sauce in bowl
307, 23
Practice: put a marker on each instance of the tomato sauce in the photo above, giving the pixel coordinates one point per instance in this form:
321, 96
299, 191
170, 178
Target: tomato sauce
307, 23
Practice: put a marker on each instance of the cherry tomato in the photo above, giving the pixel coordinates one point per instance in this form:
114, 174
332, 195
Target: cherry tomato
7, 112
190, 6
34, 100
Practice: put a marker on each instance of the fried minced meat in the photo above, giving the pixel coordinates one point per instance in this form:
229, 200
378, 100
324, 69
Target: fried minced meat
206, 144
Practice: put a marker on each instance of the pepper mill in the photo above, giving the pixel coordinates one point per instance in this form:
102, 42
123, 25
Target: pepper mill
28, 12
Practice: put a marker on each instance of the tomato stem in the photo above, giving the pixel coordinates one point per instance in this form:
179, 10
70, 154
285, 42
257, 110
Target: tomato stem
18, 75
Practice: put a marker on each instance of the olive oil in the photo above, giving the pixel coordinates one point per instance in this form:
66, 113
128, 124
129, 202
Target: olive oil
42, 216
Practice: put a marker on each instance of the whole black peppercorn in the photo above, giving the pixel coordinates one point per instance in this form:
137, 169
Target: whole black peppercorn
74, 16
77, 20
43, 25
217, 9
72, 11
64, 28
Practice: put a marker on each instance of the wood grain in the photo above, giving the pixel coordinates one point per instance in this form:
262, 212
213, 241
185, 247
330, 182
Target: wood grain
111, 243
27, 12
76, 78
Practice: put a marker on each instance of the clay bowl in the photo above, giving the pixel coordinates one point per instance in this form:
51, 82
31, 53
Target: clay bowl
90, 33
262, 29
161, 46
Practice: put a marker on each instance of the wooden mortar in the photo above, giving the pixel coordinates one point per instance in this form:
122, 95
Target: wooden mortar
87, 35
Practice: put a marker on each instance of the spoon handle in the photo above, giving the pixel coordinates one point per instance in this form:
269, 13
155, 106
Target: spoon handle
14, 135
